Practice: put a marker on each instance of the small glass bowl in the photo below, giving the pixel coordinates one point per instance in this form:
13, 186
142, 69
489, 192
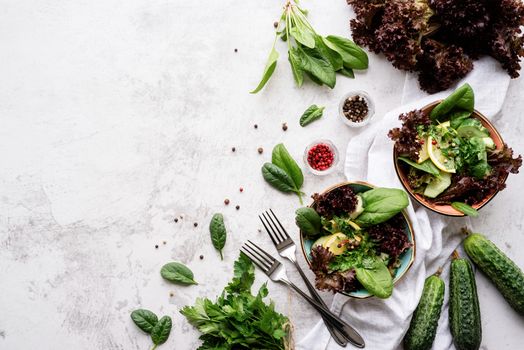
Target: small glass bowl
335, 157
367, 119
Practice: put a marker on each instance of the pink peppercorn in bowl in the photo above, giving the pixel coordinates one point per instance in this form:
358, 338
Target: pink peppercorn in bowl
321, 157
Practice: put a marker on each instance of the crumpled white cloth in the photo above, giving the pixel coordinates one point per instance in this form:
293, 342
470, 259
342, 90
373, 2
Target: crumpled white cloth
383, 323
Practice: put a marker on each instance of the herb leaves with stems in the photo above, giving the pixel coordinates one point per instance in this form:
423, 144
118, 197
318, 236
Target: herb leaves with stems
311, 54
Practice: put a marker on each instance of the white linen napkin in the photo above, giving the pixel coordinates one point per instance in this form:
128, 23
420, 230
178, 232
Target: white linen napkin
383, 323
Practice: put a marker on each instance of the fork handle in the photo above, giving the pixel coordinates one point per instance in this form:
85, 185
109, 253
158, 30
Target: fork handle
338, 323
339, 337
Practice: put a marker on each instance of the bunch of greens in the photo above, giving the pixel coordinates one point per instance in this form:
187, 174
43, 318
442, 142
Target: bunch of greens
439, 39
358, 238
283, 173
449, 156
310, 54
237, 319
148, 322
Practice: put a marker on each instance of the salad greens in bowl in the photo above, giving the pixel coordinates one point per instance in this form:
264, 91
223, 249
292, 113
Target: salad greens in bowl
357, 239
449, 157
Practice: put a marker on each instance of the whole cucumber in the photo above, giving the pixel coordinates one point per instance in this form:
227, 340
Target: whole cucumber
464, 311
423, 326
504, 273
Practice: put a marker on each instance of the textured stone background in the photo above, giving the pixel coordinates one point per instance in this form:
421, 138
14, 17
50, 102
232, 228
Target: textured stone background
118, 116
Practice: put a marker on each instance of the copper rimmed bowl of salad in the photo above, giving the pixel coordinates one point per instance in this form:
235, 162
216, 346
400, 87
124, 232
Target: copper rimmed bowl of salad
449, 157
357, 239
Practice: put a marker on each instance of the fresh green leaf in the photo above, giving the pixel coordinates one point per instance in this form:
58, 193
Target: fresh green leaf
461, 99
312, 61
353, 56
332, 55
161, 330
348, 72
144, 319
311, 114
456, 118
465, 209
218, 232
294, 61
244, 275
303, 35
271, 64
426, 166
282, 159
278, 178
177, 273
309, 222
375, 277
380, 205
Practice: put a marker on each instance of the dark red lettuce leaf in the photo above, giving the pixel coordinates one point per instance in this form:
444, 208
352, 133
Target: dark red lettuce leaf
335, 281
406, 137
339, 201
390, 236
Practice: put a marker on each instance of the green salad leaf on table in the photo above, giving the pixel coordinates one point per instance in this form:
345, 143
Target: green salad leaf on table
158, 329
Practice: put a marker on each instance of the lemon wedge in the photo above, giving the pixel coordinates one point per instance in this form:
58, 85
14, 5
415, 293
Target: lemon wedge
423, 154
336, 243
440, 160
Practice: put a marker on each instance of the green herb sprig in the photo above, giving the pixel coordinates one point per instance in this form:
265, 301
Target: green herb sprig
311, 54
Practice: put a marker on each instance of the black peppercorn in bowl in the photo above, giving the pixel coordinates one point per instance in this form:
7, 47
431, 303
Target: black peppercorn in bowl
356, 109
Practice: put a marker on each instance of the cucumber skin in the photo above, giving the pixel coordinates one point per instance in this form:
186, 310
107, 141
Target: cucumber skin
501, 270
423, 326
464, 311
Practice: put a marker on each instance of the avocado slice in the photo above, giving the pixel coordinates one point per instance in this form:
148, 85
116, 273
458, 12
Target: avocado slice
438, 185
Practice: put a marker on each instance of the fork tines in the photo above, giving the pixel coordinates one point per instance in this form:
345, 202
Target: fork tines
278, 235
260, 257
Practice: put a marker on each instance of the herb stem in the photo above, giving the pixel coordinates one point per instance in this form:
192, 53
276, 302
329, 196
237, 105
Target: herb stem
154, 347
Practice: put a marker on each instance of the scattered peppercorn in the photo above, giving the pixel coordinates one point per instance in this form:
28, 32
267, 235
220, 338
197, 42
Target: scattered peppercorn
284, 126
176, 220
256, 126
241, 189
434, 142
236, 50
320, 157
156, 246
226, 201
171, 294
195, 224
233, 149
275, 24
260, 150
201, 257
355, 108
237, 207
164, 242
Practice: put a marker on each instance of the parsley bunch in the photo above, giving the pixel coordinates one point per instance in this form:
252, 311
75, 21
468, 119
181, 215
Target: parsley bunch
239, 320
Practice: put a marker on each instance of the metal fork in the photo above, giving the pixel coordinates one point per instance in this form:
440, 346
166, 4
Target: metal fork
277, 273
287, 249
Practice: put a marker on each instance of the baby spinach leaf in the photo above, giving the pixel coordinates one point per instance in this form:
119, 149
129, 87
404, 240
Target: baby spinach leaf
316, 64
279, 179
271, 64
311, 114
218, 232
161, 330
177, 273
294, 61
308, 220
332, 55
380, 205
426, 166
144, 319
462, 98
375, 277
281, 158
348, 72
352, 55
456, 118
465, 209
303, 35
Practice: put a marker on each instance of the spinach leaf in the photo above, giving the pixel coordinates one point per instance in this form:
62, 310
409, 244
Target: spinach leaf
465, 209
271, 64
375, 277
144, 319
311, 114
456, 118
426, 166
177, 273
303, 35
218, 232
380, 205
312, 61
278, 178
352, 55
348, 72
294, 61
332, 55
161, 330
281, 158
462, 98
309, 222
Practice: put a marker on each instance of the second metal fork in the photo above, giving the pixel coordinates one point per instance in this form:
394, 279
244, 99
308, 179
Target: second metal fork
277, 273
287, 249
